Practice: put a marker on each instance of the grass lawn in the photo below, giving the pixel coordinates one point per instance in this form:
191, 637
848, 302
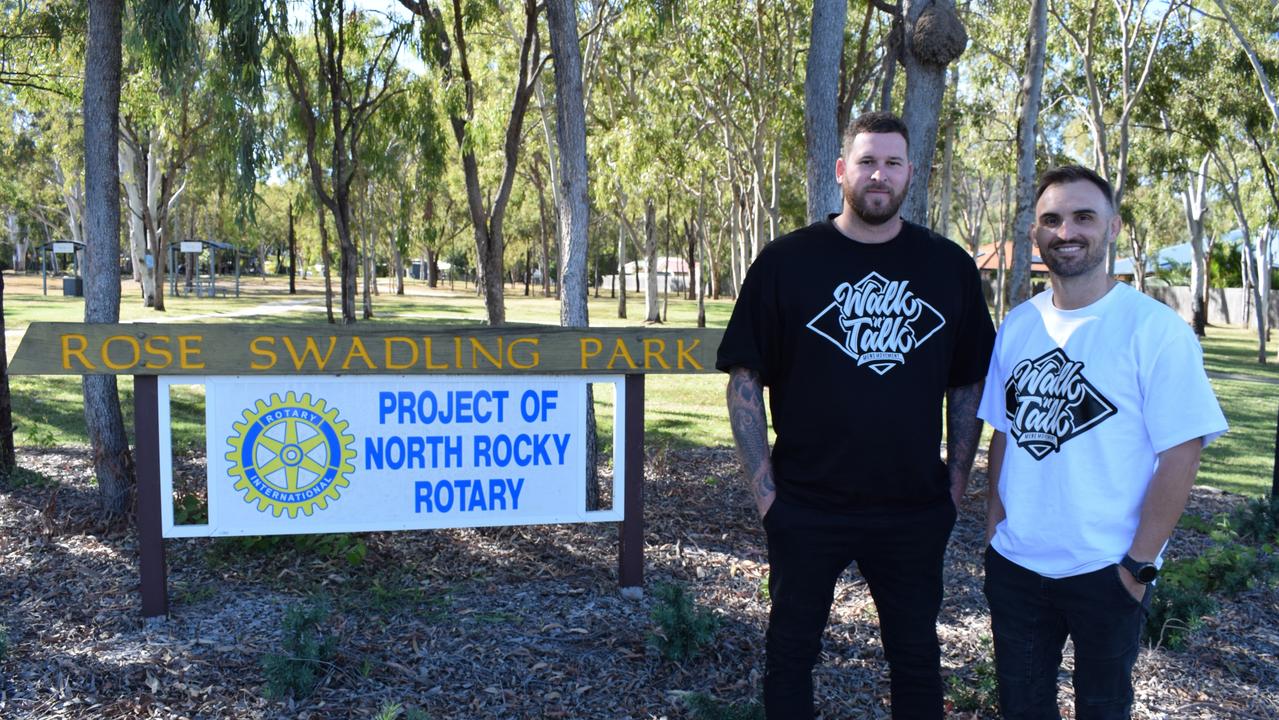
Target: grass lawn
681, 410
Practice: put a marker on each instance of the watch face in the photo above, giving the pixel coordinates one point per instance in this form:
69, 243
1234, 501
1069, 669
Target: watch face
1146, 573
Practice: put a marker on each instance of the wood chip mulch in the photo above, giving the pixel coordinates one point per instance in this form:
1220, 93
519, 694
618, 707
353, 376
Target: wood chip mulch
503, 623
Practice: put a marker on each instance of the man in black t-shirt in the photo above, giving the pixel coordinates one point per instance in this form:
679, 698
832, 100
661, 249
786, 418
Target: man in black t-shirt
859, 325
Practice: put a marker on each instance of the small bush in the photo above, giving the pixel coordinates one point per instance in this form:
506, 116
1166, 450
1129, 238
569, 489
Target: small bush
682, 628
705, 707
977, 689
1257, 520
1177, 610
332, 546
306, 650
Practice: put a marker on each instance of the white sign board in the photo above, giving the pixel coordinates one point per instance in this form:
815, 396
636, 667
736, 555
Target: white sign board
64, 247
189, 246
345, 454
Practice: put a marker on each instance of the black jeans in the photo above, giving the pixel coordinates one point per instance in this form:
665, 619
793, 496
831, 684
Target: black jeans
899, 553
1031, 615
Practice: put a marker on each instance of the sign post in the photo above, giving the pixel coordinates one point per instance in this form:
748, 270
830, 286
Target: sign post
345, 430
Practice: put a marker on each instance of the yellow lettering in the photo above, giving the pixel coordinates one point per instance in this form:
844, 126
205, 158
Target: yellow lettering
268, 353
310, 350
681, 354
534, 356
620, 349
188, 350
158, 346
357, 348
597, 348
69, 352
457, 352
430, 356
650, 354
134, 347
478, 347
390, 359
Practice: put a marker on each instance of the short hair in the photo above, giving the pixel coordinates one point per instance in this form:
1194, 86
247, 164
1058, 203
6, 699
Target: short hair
1075, 173
875, 122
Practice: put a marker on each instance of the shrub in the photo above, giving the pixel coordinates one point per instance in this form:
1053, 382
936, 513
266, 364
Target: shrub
705, 707
682, 628
976, 688
1257, 520
307, 648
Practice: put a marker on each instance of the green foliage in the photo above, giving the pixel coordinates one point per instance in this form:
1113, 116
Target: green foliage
190, 509
975, 688
702, 706
332, 546
1225, 266
396, 711
306, 649
1187, 588
1176, 611
1257, 520
682, 627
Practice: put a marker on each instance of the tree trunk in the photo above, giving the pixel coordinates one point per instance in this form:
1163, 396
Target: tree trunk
1032, 85
570, 132
8, 459
821, 102
652, 310
621, 269
293, 253
1193, 202
112, 461
921, 111
327, 264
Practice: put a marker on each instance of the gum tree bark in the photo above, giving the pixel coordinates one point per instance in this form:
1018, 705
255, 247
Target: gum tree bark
821, 100
112, 461
1032, 86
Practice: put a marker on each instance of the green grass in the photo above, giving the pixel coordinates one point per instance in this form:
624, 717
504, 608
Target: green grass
681, 410
1234, 350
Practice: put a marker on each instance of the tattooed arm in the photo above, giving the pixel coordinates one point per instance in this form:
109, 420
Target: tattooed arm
963, 432
750, 431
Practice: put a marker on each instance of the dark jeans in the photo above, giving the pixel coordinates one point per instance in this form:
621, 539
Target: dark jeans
1031, 615
899, 553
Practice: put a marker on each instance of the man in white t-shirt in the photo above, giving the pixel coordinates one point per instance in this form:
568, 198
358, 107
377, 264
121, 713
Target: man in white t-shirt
1101, 407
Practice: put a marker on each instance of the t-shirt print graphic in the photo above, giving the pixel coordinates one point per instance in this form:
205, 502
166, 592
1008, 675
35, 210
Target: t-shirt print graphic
877, 321
1049, 401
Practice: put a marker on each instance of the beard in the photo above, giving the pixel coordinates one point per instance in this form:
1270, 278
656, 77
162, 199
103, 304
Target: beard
1094, 254
871, 212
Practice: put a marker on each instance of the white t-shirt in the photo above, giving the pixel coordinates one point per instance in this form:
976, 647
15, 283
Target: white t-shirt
1087, 399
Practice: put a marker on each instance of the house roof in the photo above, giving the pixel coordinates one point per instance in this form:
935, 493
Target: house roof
987, 258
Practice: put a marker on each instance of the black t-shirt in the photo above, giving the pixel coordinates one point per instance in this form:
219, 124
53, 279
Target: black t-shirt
857, 344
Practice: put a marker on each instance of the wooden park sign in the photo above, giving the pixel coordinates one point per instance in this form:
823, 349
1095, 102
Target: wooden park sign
343, 429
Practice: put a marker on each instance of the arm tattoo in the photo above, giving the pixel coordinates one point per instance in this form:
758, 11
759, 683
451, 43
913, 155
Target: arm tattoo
750, 429
963, 429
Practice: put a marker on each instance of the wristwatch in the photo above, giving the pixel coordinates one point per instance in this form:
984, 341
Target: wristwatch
1143, 572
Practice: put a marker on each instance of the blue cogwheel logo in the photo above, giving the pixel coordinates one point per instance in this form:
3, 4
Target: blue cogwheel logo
291, 455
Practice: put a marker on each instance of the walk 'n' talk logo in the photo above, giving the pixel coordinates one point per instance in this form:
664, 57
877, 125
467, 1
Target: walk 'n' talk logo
877, 322
1049, 401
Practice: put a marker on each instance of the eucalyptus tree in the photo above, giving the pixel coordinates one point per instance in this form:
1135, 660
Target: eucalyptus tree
1032, 85
446, 39
736, 63
932, 37
821, 99
112, 461
1113, 48
336, 98
570, 133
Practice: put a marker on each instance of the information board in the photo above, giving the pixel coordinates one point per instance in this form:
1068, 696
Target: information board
319, 454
